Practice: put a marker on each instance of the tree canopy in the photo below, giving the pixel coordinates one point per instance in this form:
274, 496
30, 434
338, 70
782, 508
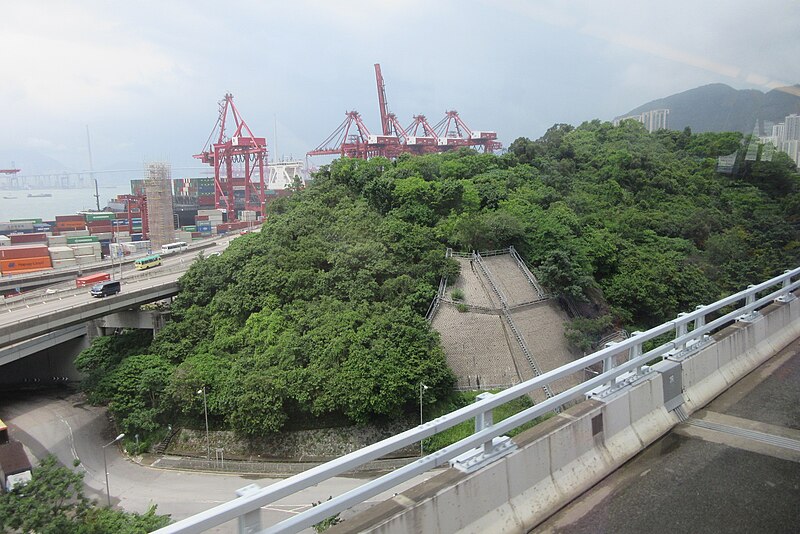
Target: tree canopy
321, 314
53, 502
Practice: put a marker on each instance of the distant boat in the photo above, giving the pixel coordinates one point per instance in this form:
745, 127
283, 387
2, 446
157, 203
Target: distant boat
9, 198
39, 195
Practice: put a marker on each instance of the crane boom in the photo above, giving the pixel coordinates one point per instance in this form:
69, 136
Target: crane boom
386, 124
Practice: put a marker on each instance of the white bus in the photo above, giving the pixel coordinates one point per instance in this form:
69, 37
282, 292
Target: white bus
173, 247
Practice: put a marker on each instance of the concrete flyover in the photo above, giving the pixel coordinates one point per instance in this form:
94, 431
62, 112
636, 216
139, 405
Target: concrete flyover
23, 282
47, 316
11, 353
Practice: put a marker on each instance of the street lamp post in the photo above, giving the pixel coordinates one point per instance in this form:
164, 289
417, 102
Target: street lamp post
422, 388
205, 409
105, 466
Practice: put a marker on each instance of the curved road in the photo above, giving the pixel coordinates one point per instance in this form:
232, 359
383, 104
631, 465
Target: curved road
59, 422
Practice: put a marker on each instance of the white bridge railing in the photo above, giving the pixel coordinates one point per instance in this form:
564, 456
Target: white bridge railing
702, 322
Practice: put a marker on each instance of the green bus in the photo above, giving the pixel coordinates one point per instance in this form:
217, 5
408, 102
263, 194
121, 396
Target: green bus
154, 260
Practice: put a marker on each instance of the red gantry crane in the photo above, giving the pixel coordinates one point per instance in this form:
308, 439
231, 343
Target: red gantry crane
236, 158
352, 138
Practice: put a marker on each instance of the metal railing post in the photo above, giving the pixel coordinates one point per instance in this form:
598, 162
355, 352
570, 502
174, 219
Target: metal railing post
635, 351
608, 363
681, 329
751, 297
249, 522
700, 322
749, 315
787, 295
484, 420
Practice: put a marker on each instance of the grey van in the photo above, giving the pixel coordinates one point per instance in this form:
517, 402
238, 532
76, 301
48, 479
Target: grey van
105, 289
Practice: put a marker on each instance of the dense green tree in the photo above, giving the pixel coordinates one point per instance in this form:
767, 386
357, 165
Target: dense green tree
53, 502
320, 315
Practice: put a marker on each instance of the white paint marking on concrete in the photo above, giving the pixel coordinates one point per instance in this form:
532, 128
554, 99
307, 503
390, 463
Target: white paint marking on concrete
72, 448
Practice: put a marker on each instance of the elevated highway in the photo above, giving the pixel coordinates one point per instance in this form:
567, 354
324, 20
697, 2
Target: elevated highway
49, 315
36, 321
18, 283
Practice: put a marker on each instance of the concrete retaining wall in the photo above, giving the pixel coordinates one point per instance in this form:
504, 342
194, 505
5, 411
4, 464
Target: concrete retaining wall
562, 457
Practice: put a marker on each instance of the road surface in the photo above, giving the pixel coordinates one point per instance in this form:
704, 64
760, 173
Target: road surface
59, 422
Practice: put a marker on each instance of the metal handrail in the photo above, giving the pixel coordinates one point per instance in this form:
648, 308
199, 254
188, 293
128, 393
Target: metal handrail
528, 274
261, 497
479, 260
536, 371
507, 315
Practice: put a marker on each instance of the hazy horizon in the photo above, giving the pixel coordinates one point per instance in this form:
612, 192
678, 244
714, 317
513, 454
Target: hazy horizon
146, 77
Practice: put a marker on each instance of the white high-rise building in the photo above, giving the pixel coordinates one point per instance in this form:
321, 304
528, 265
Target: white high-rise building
792, 125
653, 120
792, 147
779, 133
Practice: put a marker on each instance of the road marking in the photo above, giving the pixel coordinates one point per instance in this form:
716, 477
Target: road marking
769, 439
72, 443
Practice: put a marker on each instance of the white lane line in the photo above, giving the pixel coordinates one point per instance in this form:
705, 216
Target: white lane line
72, 443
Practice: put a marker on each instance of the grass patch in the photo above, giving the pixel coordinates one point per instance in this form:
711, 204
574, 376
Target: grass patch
462, 307
467, 428
457, 294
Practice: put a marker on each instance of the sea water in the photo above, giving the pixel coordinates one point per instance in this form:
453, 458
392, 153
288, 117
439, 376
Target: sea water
63, 202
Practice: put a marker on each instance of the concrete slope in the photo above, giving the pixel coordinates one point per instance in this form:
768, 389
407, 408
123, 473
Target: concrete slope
542, 327
510, 280
476, 348
476, 291
479, 344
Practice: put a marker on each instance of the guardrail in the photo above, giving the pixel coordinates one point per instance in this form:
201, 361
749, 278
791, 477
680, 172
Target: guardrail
249, 504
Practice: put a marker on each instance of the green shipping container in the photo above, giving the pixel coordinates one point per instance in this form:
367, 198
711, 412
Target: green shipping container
104, 216
82, 239
34, 221
189, 228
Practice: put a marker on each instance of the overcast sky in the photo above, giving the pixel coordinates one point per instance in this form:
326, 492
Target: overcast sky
146, 76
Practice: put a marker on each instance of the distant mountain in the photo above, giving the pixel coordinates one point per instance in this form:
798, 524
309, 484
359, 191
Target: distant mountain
30, 161
720, 108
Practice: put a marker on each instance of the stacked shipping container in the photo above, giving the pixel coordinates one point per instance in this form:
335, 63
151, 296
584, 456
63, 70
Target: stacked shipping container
19, 259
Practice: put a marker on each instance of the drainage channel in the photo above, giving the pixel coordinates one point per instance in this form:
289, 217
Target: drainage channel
770, 439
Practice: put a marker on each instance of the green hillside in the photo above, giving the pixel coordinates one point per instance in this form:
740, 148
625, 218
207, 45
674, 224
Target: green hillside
320, 317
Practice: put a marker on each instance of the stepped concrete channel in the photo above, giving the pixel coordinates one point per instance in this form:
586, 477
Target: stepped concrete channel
479, 343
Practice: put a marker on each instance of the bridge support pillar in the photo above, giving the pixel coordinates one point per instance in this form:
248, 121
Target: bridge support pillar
138, 319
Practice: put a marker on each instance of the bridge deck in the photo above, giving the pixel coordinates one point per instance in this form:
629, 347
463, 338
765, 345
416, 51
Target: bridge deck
723, 476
